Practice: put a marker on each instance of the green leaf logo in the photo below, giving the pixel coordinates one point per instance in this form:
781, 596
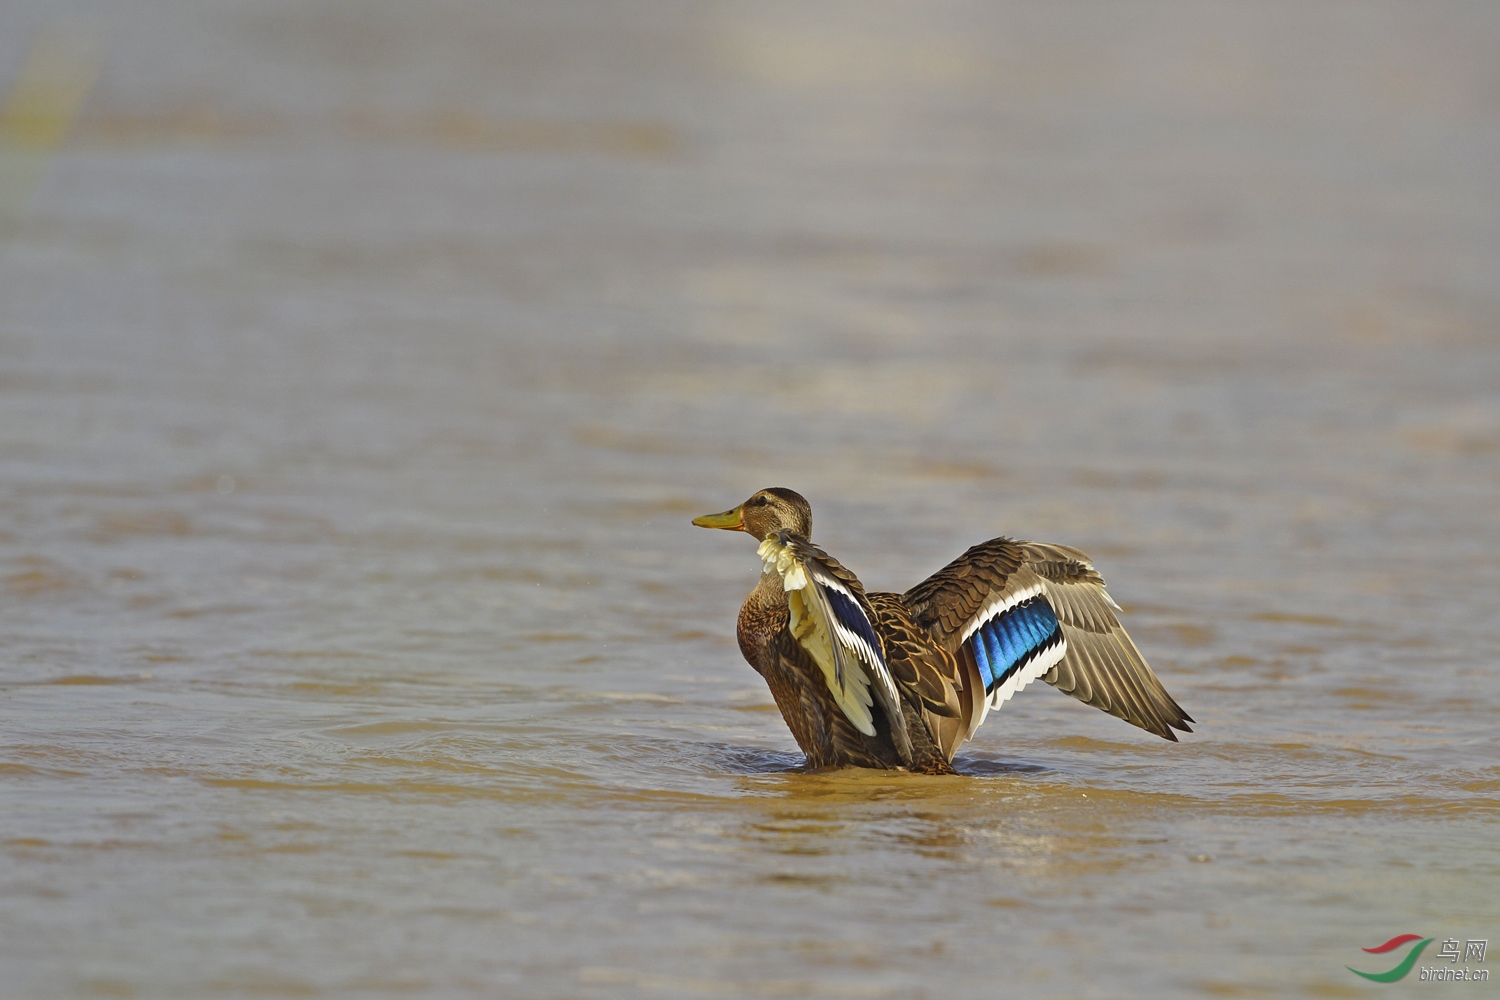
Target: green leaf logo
1405, 965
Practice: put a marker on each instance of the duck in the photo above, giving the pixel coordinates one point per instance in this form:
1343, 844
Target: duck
901, 681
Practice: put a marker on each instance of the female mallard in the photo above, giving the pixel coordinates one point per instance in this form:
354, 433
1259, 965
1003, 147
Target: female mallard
900, 680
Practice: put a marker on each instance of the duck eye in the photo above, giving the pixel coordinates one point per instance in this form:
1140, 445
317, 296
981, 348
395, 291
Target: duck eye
757, 501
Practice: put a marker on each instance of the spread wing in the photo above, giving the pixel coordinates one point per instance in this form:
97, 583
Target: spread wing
830, 619
1014, 611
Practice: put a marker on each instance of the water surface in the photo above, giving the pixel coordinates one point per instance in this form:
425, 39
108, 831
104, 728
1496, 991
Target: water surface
361, 366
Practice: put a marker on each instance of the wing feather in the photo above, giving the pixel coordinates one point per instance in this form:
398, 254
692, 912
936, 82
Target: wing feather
830, 618
985, 603
1070, 681
821, 729
928, 672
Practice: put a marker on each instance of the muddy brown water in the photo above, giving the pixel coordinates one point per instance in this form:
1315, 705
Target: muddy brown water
361, 366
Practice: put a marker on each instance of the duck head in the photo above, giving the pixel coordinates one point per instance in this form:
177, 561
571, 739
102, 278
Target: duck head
774, 509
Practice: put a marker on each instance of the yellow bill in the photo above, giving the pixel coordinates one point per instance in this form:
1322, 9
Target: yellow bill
730, 520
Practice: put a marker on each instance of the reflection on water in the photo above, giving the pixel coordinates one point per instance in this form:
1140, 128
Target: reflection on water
361, 368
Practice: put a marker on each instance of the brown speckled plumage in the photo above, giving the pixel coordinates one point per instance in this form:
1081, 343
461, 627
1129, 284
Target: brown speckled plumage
941, 690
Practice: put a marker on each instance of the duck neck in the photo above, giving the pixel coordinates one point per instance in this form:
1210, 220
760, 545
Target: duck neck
763, 614
769, 592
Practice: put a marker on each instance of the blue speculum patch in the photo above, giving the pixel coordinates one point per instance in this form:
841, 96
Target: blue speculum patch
851, 617
1007, 642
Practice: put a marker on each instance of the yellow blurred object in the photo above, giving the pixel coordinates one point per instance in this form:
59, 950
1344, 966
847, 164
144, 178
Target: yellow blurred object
59, 72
